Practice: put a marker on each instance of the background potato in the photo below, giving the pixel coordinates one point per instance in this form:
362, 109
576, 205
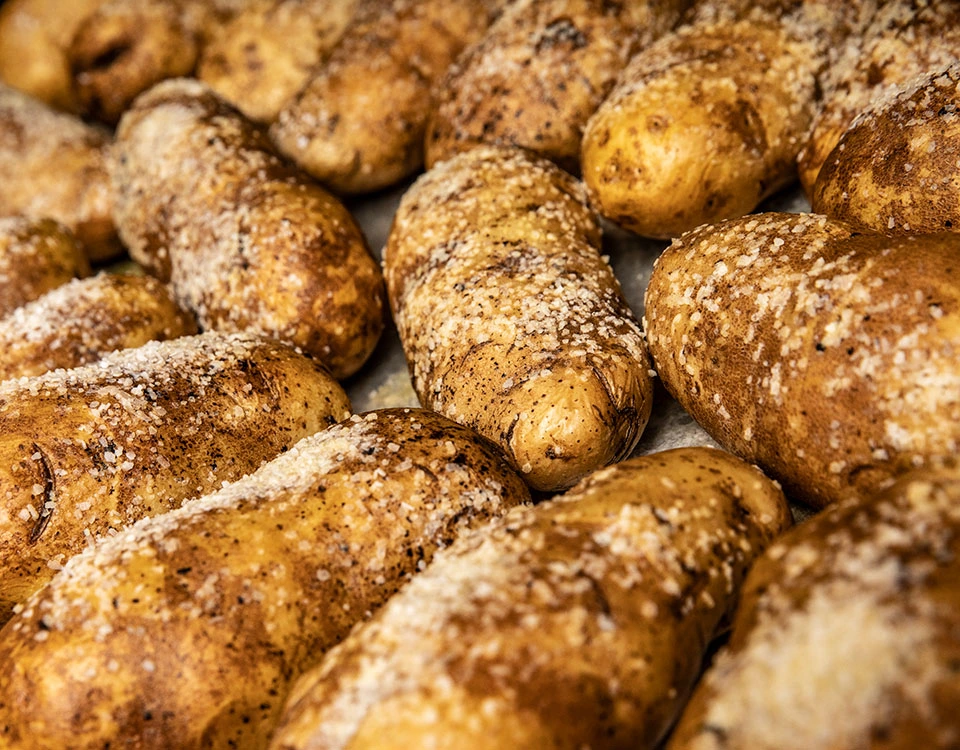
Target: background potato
88, 451
826, 356
188, 629
511, 321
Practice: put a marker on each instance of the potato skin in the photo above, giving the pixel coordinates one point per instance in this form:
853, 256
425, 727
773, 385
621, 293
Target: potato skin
247, 241
847, 635
88, 451
214, 609
826, 356
896, 167
511, 321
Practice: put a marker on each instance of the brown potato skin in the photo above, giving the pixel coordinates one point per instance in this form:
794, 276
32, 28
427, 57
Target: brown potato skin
897, 168
847, 635
824, 355
36, 256
358, 125
511, 321
598, 605
137, 434
257, 246
233, 596
79, 322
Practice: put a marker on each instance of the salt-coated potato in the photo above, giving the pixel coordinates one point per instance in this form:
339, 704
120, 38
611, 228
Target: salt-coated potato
825, 355
358, 125
247, 241
511, 321
897, 168
577, 623
188, 629
53, 166
36, 256
87, 451
264, 55
847, 635
539, 73
81, 321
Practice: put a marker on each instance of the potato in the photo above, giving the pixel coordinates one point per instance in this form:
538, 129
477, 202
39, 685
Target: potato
847, 636
539, 73
81, 321
188, 629
897, 167
577, 623
85, 452
358, 125
263, 57
247, 241
511, 321
35, 257
53, 166
826, 356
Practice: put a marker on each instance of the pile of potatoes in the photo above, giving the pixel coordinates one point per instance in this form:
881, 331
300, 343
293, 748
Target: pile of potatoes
206, 546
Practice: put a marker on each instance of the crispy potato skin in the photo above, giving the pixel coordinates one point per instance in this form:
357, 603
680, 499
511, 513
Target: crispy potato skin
598, 605
847, 635
358, 125
214, 609
896, 167
511, 321
826, 356
247, 241
82, 320
90, 450
36, 256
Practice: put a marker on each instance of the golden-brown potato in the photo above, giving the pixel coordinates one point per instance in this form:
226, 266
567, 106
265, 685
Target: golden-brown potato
85, 452
826, 356
358, 125
847, 636
263, 57
52, 165
576, 623
897, 168
81, 321
188, 629
247, 241
35, 257
511, 321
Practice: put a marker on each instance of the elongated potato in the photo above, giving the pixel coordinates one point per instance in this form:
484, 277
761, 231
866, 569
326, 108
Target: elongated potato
358, 125
85, 452
847, 636
36, 257
247, 242
826, 356
187, 630
511, 321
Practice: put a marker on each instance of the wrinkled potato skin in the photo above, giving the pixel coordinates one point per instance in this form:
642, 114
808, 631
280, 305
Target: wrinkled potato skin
81, 321
533, 620
137, 434
896, 168
847, 633
358, 125
247, 241
236, 594
36, 257
826, 356
511, 321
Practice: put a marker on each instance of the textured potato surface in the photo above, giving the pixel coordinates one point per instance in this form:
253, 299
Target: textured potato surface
187, 629
847, 635
85, 452
511, 321
825, 355
248, 242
